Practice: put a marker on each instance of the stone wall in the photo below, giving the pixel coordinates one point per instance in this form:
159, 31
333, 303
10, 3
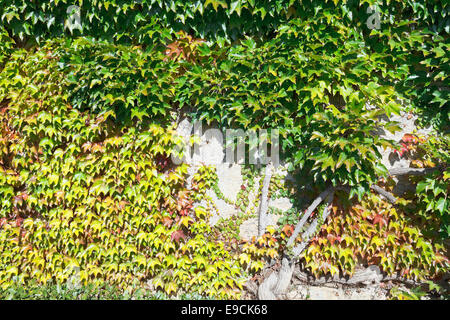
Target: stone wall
230, 180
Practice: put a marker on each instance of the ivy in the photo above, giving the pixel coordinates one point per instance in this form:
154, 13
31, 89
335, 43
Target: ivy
80, 192
87, 114
375, 232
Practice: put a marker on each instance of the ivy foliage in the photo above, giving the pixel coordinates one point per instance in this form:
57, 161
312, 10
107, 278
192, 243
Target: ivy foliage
52, 291
411, 36
139, 20
86, 139
132, 83
375, 232
6, 45
433, 190
79, 192
272, 41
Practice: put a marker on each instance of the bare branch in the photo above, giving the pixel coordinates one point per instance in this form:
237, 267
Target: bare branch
263, 208
284, 276
365, 276
265, 289
389, 196
411, 171
278, 282
307, 214
312, 228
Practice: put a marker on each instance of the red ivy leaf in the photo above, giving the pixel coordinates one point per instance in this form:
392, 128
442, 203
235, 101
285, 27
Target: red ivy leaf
380, 220
177, 235
288, 229
331, 238
167, 222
